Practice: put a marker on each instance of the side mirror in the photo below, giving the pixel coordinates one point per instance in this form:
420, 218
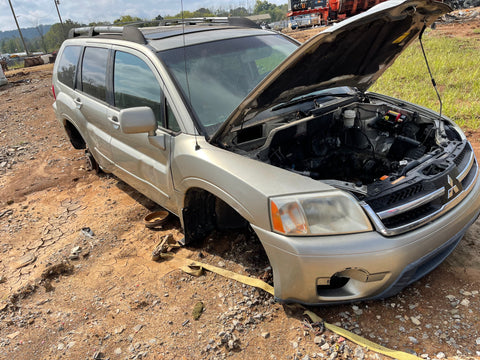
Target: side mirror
137, 120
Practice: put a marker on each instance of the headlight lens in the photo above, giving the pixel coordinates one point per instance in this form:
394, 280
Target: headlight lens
329, 213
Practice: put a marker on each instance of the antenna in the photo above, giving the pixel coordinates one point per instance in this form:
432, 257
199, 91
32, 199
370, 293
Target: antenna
197, 146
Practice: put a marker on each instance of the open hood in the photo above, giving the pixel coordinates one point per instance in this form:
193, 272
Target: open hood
352, 53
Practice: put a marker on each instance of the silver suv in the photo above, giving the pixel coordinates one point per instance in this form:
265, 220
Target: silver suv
353, 194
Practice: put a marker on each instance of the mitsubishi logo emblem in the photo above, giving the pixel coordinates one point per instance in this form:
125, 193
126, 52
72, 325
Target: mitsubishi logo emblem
452, 187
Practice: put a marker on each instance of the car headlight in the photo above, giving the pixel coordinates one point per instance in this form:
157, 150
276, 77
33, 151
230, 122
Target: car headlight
326, 213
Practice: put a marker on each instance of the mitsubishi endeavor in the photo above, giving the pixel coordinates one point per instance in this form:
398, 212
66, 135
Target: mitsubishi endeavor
353, 195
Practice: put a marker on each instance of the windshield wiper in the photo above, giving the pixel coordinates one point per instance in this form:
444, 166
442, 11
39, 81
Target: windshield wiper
304, 98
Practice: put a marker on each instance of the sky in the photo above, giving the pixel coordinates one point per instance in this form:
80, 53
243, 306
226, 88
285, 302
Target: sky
31, 13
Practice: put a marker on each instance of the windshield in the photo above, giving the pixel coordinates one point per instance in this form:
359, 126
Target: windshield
222, 73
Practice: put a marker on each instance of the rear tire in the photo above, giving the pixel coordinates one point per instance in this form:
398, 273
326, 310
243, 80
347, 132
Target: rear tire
92, 164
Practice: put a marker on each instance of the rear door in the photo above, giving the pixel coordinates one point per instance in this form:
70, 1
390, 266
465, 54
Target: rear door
141, 164
92, 101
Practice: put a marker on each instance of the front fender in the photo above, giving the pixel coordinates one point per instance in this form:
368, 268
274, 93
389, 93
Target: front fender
243, 183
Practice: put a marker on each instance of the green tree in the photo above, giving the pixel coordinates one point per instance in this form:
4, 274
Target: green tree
239, 11
58, 33
125, 19
13, 45
263, 7
276, 12
202, 12
99, 23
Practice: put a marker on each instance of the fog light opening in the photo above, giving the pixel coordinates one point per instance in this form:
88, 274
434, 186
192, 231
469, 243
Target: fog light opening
336, 282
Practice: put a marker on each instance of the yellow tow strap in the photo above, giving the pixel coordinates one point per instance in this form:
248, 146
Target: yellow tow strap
400, 355
196, 269
190, 269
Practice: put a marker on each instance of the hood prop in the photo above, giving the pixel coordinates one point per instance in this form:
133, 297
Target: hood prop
440, 134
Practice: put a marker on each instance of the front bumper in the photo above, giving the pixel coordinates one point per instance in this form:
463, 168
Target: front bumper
315, 270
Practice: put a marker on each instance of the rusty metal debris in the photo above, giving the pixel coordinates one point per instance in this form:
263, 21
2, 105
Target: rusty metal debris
156, 219
162, 250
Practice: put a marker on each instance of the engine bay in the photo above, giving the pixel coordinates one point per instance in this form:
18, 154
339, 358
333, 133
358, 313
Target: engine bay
354, 143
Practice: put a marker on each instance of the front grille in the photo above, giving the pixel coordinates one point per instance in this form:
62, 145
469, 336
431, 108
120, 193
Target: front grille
417, 204
458, 160
396, 197
409, 216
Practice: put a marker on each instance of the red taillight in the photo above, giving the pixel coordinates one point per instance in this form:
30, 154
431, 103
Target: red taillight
53, 91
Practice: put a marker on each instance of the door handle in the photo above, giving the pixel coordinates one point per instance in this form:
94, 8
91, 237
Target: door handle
78, 103
114, 121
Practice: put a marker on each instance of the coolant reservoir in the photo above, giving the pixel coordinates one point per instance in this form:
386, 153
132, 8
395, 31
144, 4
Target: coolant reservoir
349, 118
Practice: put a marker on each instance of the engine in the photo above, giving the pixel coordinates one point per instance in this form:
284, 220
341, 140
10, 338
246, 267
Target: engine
358, 144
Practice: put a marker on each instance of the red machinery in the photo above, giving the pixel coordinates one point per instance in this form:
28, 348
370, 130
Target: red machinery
320, 11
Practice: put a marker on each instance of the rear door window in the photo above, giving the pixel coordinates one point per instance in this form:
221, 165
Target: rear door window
135, 84
94, 72
67, 66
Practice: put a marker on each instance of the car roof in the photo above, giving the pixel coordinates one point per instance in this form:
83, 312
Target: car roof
202, 35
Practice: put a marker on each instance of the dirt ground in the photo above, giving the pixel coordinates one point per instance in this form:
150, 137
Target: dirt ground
114, 302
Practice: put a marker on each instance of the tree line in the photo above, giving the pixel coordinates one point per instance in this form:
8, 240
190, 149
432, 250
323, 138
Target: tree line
52, 39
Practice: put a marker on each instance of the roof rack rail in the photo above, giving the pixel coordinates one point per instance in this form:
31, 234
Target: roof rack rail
129, 33
232, 21
132, 33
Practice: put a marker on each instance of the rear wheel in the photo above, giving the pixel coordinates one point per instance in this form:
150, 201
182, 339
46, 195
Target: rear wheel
92, 164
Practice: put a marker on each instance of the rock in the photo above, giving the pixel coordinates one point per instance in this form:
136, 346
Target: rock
60, 346
75, 253
359, 354
415, 320
450, 297
333, 356
465, 302
13, 335
197, 310
119, 330
137, 328
413, 340
478, 341
25, 260
325, 347
118, 351
87, 232
440, 355
265, 335
319, 340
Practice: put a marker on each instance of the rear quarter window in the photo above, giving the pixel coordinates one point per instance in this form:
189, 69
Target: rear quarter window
67, 66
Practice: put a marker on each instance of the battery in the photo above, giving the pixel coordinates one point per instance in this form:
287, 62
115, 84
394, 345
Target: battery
394, 117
